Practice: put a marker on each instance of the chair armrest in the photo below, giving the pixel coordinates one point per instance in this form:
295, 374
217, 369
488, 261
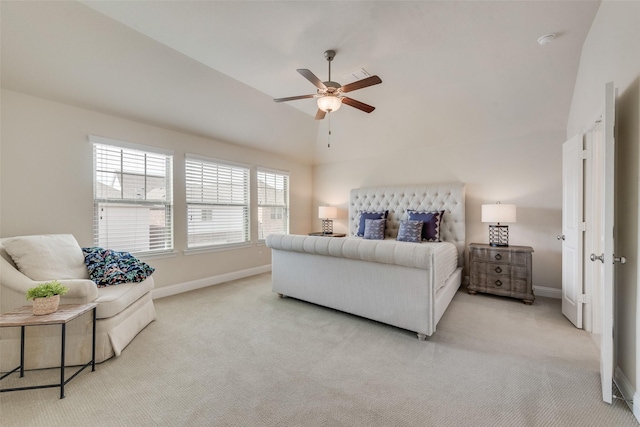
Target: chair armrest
80, 290
13, 279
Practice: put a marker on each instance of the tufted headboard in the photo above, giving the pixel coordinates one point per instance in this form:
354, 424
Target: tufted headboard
422, 197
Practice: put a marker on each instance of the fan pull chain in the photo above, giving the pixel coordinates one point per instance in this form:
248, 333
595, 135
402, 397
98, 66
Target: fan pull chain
329, 136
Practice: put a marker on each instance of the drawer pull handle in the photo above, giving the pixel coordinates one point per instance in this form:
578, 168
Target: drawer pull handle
498, 257
498, 270
498, 283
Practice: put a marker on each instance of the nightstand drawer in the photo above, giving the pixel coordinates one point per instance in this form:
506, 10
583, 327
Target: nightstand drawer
495, 255
491, 268
490, 255
498, 283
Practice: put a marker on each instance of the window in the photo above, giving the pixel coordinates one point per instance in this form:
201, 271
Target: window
273, 202
132, 197
217, 202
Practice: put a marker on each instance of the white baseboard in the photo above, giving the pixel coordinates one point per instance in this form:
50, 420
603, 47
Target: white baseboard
542, 291
179, 288
626, 389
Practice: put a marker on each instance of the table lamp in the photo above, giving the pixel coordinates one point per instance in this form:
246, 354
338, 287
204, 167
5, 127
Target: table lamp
326, 214
499, 234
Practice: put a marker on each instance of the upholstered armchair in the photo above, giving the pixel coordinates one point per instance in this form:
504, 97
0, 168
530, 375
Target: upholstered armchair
122, 311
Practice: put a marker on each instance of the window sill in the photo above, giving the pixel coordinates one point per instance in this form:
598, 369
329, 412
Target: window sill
219, 248
171, 254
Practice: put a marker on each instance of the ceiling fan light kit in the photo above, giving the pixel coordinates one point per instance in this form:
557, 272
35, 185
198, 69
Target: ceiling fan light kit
330, 94
329, 104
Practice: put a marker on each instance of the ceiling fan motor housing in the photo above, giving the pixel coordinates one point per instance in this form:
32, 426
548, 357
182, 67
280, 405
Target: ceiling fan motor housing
332, 87
329, 54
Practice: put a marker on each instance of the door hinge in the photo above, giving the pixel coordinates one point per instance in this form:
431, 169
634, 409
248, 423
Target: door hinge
584, 299
583, 226
585, 154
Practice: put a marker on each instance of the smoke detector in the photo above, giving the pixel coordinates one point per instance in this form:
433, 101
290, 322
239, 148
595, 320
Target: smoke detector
546, 39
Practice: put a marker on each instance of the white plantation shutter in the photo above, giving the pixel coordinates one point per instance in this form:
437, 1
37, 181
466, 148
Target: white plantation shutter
217, 202
133, 201
273, 202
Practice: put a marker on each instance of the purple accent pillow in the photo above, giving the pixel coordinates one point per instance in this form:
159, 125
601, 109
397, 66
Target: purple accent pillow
369, 215
410, 231
431, 226
374, 229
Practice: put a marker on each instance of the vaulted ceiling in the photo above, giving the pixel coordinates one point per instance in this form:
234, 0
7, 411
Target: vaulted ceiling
453, 72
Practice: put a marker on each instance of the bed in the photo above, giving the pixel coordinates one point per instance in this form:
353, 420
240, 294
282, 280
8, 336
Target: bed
403, 284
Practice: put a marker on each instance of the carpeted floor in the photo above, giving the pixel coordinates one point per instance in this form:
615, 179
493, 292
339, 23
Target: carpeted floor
236, 355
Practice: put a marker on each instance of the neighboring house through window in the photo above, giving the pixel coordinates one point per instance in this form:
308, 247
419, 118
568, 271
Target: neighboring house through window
217, 202
273, 202
133, 201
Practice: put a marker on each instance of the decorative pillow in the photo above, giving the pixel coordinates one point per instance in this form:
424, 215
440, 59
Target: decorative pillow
47, 256
431, 226
364, 215
374, 229
107, 267
410, 231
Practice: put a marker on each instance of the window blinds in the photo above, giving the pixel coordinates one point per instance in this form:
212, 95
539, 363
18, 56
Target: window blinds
273, 202
217, 202
133, 201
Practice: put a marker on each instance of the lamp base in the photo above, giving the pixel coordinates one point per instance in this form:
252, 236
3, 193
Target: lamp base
327, 226
499, 235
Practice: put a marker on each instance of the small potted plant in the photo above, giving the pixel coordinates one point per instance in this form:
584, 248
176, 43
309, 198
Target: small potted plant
46, 297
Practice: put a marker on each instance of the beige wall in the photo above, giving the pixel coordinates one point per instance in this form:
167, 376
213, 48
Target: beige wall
526, 171
47, 180
611, 52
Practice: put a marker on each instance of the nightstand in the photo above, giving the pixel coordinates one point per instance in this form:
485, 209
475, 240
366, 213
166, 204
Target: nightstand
501, 270
328, 235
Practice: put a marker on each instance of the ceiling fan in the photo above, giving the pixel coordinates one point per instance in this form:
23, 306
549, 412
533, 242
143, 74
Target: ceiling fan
330, 94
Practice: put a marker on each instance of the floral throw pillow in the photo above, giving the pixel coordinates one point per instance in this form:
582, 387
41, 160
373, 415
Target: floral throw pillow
410, 231
108, 267
374, 229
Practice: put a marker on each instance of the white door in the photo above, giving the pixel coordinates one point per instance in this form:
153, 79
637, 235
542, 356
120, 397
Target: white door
607, 258
572, 229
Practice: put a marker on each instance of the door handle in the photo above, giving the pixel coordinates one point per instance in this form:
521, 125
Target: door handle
594, 257
560, 237
620, 259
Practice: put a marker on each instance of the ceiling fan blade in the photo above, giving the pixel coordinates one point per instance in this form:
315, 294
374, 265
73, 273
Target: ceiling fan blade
307, 74
293, 98
369, 81
357, 104
320, 114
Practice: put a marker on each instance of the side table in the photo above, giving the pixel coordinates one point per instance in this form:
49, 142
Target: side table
24, 317
501, 270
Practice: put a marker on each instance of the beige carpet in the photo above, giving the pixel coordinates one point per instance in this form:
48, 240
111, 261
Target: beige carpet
236, 355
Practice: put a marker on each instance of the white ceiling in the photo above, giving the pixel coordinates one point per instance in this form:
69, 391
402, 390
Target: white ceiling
453, 72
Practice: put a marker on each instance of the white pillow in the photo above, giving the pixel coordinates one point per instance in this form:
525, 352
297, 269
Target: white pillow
47, 257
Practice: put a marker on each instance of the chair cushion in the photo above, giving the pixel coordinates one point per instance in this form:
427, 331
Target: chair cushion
114, 299
47, 256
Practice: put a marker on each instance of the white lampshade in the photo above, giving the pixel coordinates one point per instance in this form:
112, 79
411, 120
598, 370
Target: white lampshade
499, 213
327, 212
329, 103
